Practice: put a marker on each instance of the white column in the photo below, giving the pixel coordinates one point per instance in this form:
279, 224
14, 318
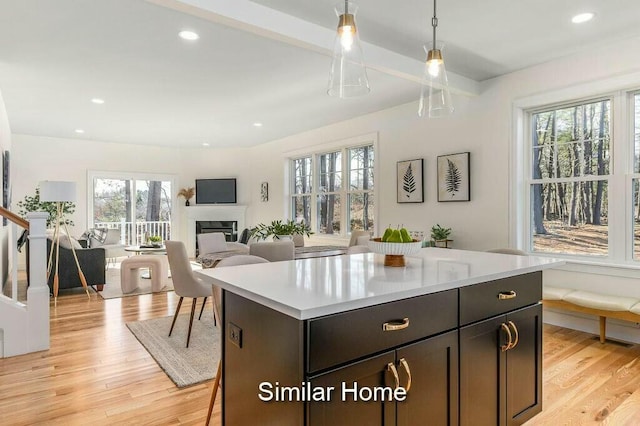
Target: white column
38, 292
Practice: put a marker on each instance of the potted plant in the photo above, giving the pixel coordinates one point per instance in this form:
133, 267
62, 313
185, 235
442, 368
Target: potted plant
187, 193
440, 236
280, 230
155, 240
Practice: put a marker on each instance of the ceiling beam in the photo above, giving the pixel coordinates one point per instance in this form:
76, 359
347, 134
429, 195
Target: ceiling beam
265, 22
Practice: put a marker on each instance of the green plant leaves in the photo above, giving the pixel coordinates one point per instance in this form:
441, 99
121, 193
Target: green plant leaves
33, 204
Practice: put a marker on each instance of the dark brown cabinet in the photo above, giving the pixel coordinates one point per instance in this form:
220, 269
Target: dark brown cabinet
431, 368
448, 344
501, 385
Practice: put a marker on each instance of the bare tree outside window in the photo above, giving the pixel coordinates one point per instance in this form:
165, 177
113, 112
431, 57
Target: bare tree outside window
344, 192
569, 179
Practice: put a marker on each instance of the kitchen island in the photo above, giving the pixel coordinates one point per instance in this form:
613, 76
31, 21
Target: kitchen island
454, 337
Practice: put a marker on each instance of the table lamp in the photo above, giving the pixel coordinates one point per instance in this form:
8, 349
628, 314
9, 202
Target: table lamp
60, 192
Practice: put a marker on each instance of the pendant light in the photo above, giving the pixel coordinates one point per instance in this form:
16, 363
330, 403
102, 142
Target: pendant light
435, 86
348, 75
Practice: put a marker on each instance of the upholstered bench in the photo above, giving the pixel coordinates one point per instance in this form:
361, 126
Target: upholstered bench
130, 271
603, 305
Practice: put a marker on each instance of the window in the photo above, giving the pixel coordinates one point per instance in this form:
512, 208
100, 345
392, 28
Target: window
136, 204
569, 179
636, 177
578, 171
302, 189
341, 184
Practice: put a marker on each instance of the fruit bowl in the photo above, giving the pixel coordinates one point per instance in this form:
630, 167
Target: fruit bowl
394, 252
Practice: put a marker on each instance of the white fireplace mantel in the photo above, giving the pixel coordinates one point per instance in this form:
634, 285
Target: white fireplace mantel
196, 213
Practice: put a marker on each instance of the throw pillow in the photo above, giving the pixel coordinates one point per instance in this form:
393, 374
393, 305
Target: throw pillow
211, 243
68, 242
99, 234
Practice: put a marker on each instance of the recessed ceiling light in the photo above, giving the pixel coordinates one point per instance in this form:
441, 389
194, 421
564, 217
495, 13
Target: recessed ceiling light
205, 144
79, 131
257, 124
582, 17
188, 35
97, 101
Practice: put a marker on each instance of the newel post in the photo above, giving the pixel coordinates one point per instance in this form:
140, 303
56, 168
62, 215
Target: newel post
38, 292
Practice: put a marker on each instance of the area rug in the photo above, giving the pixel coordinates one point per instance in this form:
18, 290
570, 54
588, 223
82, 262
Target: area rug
112, 288
184, 366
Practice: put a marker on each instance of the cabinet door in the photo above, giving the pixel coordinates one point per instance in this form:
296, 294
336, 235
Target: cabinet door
524, 366
433, 397
482, 373
371, 372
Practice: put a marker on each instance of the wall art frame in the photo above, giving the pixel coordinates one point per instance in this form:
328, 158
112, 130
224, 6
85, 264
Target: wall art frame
454, 177
410, 183
264, 191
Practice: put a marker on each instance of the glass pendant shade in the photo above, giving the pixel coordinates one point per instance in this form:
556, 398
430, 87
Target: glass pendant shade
435, 98
348, 75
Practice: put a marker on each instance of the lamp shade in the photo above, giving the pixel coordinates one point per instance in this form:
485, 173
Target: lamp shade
435, 98
348, 75
57, 191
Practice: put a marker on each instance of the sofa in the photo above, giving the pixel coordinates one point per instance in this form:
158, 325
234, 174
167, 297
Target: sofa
92, 262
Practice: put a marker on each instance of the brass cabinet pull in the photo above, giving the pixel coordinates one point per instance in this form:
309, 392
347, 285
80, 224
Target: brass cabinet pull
395, 325
507, 330
505, 295
405, 364
516, 337
391, 367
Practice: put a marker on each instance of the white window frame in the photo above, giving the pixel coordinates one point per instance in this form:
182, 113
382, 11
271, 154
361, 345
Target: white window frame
134, 176
314, 152
621, 90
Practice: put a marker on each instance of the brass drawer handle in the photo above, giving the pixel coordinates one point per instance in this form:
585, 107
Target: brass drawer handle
507, 330
391, 367
395, 325
405, 364
504, 295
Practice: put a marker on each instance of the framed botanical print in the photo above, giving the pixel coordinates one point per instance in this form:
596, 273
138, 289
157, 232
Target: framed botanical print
410, 181
454, 177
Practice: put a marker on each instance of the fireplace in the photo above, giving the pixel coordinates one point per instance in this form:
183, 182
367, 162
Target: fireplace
229, 220
228, 227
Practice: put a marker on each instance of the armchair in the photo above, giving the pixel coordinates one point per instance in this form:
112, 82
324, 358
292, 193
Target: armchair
213, 246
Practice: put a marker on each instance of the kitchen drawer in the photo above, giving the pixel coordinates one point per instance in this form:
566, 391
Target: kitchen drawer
340, 338
481, 301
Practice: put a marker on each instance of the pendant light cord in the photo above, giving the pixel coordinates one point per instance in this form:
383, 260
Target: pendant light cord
434, 24
346, 7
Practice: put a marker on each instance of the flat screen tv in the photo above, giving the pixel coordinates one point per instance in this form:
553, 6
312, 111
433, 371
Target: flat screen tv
216, 191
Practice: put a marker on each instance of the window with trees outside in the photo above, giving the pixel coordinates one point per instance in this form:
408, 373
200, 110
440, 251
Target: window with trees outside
569, 178
139, 206
340, 184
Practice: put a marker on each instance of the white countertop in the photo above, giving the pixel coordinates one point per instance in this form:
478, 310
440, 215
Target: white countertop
310, 288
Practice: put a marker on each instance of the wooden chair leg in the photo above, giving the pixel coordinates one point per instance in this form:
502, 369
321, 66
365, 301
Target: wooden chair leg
202, 309
193, 311
175, 316
214, 392
603, 329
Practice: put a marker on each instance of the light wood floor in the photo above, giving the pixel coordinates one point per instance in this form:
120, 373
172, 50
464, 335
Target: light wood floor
97, 373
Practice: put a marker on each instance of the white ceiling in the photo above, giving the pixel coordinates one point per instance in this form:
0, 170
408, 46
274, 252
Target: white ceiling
258, 61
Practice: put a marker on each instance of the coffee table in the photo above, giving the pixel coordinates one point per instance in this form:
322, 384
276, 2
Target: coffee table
146, 249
